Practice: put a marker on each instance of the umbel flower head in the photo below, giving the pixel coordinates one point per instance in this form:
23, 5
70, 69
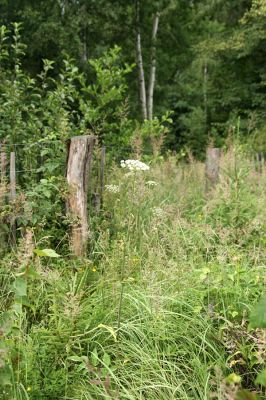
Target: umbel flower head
112, 188
134, 165
151, 183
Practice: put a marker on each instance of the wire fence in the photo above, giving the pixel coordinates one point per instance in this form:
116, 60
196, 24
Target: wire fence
37, 163
25, 165
30, 160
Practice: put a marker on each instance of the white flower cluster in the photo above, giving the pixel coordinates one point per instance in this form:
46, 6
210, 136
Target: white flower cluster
134, 165
158, 212
112, 188
151, 183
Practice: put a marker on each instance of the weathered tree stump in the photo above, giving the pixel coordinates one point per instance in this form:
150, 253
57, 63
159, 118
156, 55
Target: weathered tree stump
78, 173
213, 155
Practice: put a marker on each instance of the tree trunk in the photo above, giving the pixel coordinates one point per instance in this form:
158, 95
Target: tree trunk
141, 75
85, 50
78, 172
153, 65
205, 92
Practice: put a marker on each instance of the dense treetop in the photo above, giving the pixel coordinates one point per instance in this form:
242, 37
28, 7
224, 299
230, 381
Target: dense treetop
210, 57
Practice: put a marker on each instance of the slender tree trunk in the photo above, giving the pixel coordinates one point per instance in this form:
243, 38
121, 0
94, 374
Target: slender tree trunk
85, 52
153, 65
84, 15
62, 7
141, 75
205, 91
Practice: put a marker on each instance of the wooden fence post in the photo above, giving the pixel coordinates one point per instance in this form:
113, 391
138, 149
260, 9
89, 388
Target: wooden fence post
3, 192
12, 195
213, 155
78, 174
3, 163
257, 162
102, 166
262, 163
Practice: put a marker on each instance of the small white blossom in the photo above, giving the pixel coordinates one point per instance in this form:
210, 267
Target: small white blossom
134, 165
151, 183
112, 188
158, 212
128, 174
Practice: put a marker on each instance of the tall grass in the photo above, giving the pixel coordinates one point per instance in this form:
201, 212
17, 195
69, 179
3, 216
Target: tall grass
160, 308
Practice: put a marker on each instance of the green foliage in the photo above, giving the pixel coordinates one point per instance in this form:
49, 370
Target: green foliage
161, 307
46, 253
210, 62
104, 105
258, 316
41, 114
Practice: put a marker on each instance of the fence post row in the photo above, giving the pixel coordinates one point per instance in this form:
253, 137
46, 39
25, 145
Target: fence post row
213, 155
78, 175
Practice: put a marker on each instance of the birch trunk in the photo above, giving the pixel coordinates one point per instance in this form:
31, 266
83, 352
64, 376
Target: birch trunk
141, 75
205, 91
153, 65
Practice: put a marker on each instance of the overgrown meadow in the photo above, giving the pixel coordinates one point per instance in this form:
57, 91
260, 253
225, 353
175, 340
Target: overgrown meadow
168, 302
160, 309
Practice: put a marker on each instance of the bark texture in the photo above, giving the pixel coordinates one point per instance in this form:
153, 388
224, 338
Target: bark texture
213, 155
78, 174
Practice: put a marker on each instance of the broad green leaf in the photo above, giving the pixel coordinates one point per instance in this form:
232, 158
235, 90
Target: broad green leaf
30, 272
258, 314
5, 376
46, 253
17, 308
25, 302
106, 360
261, 378
20, 287
94, 357
246, 395
6, 322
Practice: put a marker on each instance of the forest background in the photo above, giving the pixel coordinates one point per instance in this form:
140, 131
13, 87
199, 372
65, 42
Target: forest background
209, 57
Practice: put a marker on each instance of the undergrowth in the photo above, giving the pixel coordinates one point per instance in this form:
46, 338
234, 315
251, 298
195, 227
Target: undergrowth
159, 309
